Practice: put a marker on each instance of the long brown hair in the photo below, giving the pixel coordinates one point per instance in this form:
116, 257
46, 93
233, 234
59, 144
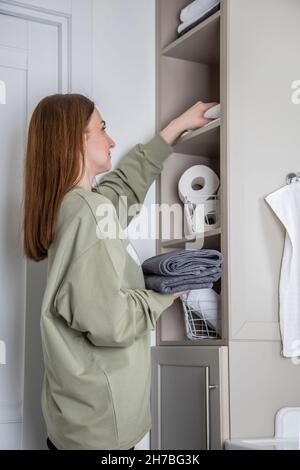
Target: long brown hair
54, 163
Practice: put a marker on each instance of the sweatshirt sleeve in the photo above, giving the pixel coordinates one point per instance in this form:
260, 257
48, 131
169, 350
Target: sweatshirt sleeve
92, 298
134, 176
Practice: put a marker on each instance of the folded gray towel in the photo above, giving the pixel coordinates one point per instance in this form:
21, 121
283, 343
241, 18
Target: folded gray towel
177, 263
182, 270
172, 284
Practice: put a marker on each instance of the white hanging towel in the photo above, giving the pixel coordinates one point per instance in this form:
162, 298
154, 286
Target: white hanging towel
286, 204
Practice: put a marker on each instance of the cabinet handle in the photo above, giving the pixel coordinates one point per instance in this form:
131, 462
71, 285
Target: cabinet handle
208, 389
207, 410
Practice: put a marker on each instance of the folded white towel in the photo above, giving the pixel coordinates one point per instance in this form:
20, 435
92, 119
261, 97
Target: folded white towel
195, 11
187, 24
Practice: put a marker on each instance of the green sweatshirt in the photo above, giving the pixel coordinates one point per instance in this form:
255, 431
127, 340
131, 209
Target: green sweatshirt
97, 315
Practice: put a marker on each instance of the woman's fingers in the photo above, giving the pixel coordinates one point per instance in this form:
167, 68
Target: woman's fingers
193, 118
207, 106
179, 294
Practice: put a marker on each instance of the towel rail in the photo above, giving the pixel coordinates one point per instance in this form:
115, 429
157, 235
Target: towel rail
292, 178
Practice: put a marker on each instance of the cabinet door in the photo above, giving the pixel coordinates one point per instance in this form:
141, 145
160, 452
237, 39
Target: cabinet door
188, 384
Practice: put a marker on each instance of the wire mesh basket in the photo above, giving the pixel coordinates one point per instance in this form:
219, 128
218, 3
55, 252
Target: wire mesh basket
203, 216
201, 322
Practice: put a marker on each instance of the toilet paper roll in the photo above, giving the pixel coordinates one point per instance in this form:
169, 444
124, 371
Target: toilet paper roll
197, 184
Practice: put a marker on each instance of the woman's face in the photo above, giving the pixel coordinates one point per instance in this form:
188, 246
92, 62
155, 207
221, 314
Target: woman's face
97, 146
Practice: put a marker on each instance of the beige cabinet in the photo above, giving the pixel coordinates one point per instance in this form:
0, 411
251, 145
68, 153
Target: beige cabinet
190, 68
244, 56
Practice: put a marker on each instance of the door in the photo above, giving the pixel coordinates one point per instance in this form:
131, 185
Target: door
45, 48
188, 397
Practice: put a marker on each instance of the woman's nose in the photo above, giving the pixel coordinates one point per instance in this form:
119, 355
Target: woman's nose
112, 142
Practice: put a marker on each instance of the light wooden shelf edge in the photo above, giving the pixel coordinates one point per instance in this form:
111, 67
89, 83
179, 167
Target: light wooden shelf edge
190, 135
191, 343
182, 241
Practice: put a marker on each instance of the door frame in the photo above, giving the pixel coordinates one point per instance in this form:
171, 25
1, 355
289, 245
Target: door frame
58, 19
72, 24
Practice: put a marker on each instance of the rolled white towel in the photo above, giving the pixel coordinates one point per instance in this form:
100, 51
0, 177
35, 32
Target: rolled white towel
214, 112
196, 9
207, 303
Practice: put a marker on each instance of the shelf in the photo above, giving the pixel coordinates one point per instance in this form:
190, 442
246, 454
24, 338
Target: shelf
189, 135
183, 241
206, 138
192, 343
200, 44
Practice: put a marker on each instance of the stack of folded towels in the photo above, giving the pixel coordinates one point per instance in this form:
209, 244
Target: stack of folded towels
182, 270
195, 13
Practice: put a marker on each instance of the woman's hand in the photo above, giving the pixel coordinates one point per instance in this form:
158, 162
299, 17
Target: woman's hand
178, 294
194, 118
191, 119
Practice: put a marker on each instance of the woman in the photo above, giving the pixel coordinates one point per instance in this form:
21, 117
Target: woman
96, 313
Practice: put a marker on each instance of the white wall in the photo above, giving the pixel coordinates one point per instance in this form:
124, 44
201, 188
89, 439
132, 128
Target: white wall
124, 85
